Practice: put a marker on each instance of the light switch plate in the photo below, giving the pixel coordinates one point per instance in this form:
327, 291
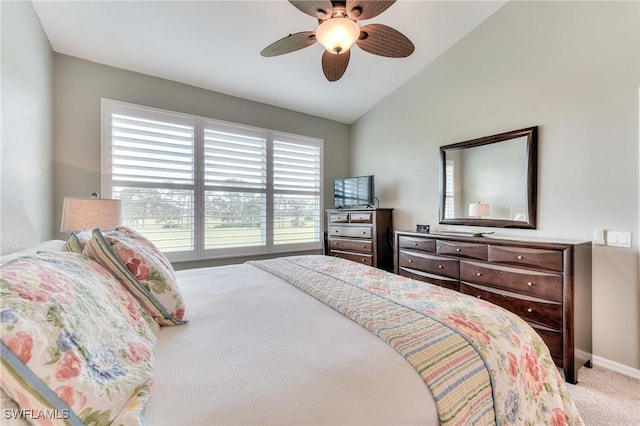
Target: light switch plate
619, 239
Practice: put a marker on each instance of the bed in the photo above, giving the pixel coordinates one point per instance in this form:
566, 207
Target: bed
293, 340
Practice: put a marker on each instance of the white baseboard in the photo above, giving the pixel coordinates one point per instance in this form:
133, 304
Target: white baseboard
616, 366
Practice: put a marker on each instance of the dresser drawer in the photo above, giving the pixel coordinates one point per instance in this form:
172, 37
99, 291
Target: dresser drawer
338, 218
449, 283
346, 244
523, 281
350, 231
422, 244
454, 248
428, 263
365, 259
537, 311
361, 217
553, 340
537, 258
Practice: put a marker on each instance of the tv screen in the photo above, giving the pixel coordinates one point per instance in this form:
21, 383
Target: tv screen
354, 191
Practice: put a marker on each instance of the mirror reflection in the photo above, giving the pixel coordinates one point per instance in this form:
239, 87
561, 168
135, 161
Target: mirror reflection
490, 181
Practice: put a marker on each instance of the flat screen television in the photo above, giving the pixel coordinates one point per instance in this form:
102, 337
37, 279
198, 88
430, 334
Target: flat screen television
354, 191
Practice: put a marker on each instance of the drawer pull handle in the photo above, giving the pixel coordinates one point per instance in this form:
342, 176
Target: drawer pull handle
530, 284
410, 260
415, 244
529, 310
362, 246
363, 260
478, 274
520, 257
479, 297
440, 266
364, 232
458, 249
336, 244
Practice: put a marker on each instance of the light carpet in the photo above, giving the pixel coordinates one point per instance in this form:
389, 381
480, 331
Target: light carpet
604, 397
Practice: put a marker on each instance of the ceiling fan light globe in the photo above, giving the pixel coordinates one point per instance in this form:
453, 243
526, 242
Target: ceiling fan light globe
337, 34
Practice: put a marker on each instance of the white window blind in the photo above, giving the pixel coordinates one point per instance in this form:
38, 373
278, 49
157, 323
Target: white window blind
151, 168
296, 191
235, 178
449, 201
202, 188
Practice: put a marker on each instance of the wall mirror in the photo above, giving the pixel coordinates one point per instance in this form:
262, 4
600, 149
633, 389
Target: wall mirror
490, 181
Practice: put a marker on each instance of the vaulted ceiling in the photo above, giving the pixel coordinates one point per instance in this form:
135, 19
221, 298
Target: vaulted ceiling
216, 45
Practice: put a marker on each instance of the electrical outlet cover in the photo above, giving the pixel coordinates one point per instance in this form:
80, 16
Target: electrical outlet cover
598, 237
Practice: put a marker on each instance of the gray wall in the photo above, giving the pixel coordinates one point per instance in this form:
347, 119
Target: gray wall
571, 68
26, 166
79, 86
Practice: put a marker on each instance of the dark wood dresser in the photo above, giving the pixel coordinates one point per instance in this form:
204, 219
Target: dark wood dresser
364, 236
548, 284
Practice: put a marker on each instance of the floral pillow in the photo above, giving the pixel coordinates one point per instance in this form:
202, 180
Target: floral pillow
75, 343
123, 230
143, 270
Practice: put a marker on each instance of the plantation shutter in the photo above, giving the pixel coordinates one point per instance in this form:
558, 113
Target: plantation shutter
296, 187
235, 180
449, 201
200, 188
152, 159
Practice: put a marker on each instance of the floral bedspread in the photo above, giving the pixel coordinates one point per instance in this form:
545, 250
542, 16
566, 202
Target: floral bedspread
483, 364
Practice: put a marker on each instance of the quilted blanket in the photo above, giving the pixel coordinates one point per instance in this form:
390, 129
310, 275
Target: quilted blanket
483, 364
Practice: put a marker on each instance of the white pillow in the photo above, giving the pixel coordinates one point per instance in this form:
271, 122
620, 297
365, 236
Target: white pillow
50, 245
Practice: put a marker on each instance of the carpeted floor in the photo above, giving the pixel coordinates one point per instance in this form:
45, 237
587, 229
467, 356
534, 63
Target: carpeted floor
604, 397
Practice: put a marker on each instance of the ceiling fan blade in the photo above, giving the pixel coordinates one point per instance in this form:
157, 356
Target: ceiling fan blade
334, 65
316, 8
384, 41
290, 43
366, 9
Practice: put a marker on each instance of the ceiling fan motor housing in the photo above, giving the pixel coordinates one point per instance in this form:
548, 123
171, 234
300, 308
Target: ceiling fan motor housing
338, 30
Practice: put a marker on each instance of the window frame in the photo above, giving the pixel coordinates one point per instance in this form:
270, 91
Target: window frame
199, 252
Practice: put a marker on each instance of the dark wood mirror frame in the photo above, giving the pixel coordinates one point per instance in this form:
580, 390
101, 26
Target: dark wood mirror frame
531, 134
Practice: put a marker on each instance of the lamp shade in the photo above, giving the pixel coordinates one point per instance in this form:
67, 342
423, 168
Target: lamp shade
478, 209
88, 213
337, 34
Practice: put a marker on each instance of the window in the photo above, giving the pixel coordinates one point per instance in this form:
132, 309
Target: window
449, 201
201, 188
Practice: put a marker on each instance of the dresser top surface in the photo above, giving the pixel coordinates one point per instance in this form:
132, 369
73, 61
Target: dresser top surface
555, 243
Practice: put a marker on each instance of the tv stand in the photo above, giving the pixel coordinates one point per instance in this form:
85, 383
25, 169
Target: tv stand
363, 235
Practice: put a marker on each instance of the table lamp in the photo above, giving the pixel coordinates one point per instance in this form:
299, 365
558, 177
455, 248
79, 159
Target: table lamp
478, 209
79, 214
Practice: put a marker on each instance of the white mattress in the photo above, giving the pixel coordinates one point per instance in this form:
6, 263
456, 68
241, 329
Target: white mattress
259, 351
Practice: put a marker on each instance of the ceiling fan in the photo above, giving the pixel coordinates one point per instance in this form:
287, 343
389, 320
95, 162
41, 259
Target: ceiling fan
338, 30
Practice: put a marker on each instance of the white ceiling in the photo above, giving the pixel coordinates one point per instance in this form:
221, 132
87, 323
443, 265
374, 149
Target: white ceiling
216, 45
